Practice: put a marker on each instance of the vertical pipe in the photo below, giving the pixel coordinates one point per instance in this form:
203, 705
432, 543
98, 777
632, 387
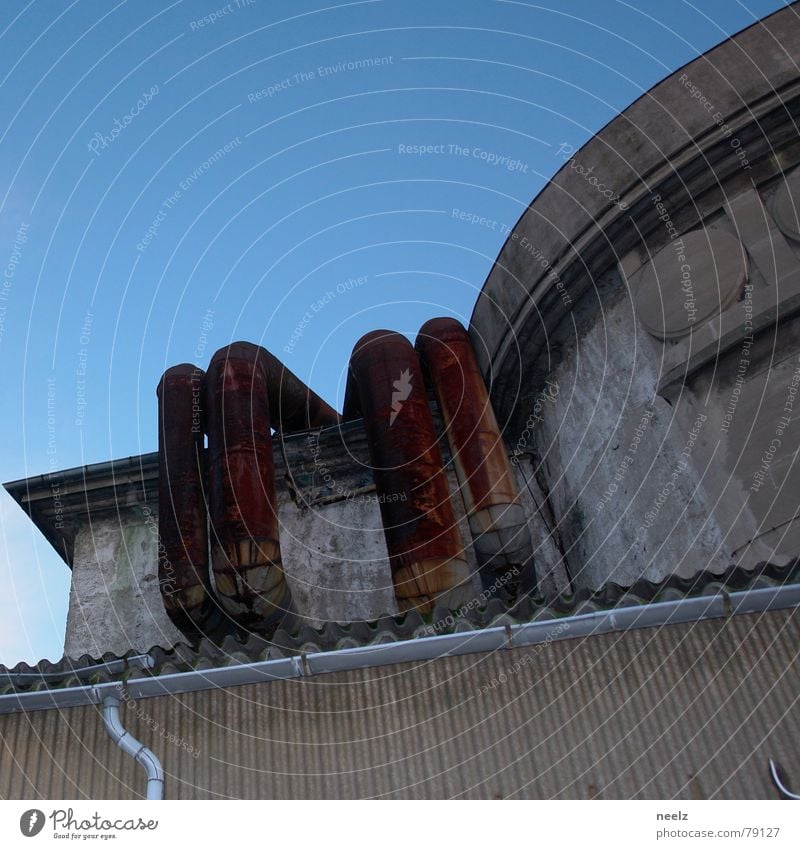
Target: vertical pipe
145, 757
425, 549
245, 547
182, 517
496, 517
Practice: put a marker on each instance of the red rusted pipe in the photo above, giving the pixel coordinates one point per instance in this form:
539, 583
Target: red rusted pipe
491, 497
292, 404
425, 549
245, 546
182, 518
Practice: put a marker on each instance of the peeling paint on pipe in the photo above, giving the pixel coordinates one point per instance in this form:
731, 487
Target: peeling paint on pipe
182, 516
245, 545
425, 549
496, 517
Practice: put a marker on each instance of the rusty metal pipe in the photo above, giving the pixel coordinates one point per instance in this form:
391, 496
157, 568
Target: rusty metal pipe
425, 549
491, 497
182, 516
292, 404
245, 546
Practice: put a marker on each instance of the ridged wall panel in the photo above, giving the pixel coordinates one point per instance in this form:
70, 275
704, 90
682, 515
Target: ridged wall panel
685, 711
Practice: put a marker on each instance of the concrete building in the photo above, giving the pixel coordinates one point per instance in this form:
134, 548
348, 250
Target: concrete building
638, 338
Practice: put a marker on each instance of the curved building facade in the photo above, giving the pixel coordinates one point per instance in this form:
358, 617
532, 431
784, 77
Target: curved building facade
639, 328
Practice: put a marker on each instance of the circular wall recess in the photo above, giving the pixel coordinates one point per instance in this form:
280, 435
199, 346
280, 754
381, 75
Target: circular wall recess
786, 205
689, 281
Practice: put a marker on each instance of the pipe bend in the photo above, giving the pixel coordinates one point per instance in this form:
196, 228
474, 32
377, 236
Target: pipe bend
245, 392
145, 757
293, 404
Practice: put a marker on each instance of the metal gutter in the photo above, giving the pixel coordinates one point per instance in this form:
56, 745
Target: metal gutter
694, 609
111, 667
40, 484
28, 488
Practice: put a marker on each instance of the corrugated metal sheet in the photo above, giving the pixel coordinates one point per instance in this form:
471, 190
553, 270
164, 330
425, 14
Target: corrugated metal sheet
687, 711
497, 612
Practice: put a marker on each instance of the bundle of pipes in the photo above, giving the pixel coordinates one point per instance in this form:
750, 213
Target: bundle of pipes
426, 554
247, 392
236, 405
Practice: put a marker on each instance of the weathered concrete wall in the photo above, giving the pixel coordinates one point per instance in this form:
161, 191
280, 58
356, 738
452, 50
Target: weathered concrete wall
669, 456
334, 555
336, 560
665, 318
115, 602
750, 453
549, 568
608, 446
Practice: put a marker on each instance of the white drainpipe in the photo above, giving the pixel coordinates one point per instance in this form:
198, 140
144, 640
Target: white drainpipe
131, 746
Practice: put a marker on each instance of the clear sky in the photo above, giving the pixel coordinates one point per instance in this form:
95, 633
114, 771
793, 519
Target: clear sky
177, 176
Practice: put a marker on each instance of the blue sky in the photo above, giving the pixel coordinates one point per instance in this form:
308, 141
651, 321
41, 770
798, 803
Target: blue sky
177, 176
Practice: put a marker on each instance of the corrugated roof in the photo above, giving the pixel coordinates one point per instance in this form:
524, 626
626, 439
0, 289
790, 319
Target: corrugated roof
233, 651
691, 711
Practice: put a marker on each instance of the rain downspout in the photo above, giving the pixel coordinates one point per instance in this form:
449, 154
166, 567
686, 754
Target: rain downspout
131, 746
